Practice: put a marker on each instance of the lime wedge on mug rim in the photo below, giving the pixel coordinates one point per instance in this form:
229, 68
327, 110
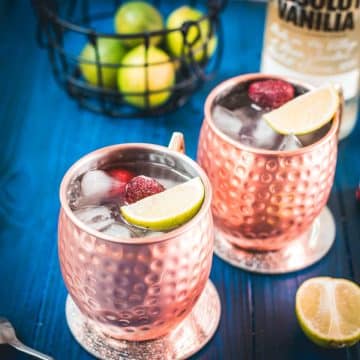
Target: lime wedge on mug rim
168, 209
305, 113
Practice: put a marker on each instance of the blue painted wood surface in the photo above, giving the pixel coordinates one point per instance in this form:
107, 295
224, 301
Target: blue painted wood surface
42, 133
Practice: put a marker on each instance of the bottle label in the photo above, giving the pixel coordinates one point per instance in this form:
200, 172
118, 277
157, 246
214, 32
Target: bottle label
320, 37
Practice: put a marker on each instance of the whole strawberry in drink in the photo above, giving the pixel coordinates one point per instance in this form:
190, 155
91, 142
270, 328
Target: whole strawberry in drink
141, 187
271, 94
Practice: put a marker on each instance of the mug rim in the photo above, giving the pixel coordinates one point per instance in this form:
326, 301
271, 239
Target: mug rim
97, 154
253, 76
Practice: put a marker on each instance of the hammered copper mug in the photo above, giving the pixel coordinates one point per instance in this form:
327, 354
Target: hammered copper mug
264, 200
144, 288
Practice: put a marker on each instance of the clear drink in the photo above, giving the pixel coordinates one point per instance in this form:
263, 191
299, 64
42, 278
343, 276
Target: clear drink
239, 117
96, 196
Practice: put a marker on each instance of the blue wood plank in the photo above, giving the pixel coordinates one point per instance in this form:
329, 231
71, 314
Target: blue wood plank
42, 132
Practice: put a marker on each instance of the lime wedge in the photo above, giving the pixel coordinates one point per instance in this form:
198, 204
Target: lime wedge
328, 311
305, 113
168, 209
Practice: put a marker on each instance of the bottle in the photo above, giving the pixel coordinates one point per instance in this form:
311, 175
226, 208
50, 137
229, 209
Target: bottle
316, 41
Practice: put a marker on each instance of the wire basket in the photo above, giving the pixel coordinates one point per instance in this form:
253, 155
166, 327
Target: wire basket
65, 26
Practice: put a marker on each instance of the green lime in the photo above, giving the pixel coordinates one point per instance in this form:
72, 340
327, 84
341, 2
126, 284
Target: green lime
168, 209
328, 311
175, 40
305, 113
138, 17
134, 77
111, 52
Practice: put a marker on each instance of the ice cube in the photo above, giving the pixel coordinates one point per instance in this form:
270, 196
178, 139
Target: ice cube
137, 232
290, 142
247, 140
246, 125
248, 115
226, 120
97, 217
259, 134
118, 230
96, 183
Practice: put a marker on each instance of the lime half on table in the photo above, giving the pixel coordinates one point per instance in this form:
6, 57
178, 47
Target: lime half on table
328, 311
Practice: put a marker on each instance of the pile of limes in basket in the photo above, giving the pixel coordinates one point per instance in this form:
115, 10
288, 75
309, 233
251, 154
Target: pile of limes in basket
146, 74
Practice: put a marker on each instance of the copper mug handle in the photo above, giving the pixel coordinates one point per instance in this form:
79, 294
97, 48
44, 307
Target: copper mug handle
177, 142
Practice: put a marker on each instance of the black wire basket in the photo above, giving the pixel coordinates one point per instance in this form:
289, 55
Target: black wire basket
65, 26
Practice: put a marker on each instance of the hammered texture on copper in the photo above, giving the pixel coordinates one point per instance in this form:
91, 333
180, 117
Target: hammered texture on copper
136, 291
186, 339
304, 251
262, 201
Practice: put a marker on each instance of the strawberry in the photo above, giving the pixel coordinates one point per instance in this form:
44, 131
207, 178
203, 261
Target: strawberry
271, 94
141, 187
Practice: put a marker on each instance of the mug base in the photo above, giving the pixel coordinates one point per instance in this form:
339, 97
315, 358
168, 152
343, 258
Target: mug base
186, 339
302, 252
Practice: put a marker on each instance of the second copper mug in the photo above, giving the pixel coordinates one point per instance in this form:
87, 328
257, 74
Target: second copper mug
265, 199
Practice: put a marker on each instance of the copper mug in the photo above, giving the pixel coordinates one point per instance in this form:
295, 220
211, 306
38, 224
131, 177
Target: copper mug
136, 289
265, 199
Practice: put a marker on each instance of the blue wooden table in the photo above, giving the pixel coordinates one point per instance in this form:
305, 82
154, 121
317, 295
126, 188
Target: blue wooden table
43, 133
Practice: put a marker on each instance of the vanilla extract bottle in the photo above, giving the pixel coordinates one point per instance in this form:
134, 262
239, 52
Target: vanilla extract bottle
317, 41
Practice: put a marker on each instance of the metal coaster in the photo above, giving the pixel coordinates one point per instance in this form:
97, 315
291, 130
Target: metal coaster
299, 254
185, 340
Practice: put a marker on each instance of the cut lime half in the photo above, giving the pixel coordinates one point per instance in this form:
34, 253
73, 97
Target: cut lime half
168, 209
328, 311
